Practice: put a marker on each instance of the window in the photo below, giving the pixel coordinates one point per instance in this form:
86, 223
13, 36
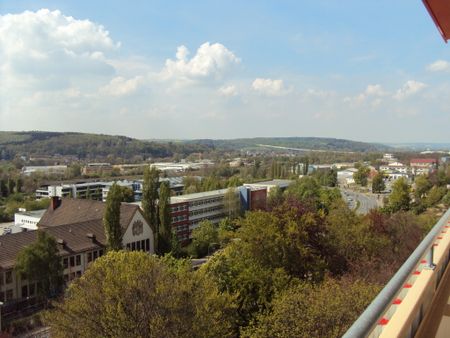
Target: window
133, 246
24, 291
9, 295
78, 273
128, 246
72, 275
78, 259
2, 296
100, 252
31, 289
66, 278
8, 277
147, 245
138, 245
89, 257
143, 245
95, 255
1, 279
65, 263
72, 261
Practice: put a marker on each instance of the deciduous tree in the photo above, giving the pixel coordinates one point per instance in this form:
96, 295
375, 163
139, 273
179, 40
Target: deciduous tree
111, 218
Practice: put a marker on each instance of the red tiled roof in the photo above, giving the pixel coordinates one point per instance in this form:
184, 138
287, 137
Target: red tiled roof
440, 13
73, 210
423, 160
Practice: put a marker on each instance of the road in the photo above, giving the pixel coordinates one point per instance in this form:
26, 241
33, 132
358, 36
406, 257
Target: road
366, 202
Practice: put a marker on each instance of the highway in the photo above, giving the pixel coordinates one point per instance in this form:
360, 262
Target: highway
366, 201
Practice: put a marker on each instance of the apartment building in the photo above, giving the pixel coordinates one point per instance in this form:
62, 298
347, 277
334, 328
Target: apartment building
423, 166
91, 190
78, 228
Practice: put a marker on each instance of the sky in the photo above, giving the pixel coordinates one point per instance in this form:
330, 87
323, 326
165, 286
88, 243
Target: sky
374, 71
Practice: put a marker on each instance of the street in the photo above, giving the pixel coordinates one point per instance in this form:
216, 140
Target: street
366, 202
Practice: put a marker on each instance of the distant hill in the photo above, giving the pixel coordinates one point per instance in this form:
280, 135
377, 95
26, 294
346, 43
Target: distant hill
88, 146
305, 143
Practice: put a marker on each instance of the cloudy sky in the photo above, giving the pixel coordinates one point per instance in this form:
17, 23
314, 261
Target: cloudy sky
362, 70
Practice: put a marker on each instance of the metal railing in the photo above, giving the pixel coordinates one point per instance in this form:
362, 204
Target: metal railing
363, 326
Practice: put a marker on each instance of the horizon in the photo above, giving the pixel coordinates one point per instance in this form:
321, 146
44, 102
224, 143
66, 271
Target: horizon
176, 71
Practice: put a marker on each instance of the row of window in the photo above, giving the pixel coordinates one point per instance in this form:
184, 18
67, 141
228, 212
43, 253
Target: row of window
212, 218
206, 201
92, 256
179, 208
205, 210
71, 276
179, 218
143, 245
6, 278
76, 260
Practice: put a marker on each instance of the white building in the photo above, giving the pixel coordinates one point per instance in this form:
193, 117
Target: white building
49, 169
394, 166
28, 220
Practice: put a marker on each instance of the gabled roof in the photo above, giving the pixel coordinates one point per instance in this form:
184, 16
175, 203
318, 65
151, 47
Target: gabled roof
72, 210
75, 237
440, 13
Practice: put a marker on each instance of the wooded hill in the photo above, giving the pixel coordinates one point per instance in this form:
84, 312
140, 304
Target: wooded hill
85, 146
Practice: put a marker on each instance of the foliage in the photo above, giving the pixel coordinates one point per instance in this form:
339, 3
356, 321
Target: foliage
127, 194
232, 203
111, 218
149, 199
306, 310
435, 195
399, 198
204, 238
422, 186
133, 294
361, 176
40, 262
326, 178
378, 185
165, 236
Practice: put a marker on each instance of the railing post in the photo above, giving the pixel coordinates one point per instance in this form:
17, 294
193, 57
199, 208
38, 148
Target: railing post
430, 259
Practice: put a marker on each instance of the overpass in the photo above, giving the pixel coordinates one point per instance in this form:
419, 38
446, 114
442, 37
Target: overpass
416, 301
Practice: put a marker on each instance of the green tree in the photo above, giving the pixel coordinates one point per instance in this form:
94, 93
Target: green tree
435, 195
149, 200
127, 194
421, 186
166, 235
40, 262
132, 294
361, 176
399, 198
378, 185
232, 203
204, 238
306, 310
111, 218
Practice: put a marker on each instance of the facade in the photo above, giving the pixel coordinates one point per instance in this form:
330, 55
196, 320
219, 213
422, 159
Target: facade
394, 166
97, 168
91, 190
48, 170
423, 166
28, 220
78, 228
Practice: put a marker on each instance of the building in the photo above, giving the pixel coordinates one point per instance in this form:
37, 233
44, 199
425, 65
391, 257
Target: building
394, 166
91, 190
28, 220
97, 169
78, 228
269, 185
389, 158
47, 170
423, 166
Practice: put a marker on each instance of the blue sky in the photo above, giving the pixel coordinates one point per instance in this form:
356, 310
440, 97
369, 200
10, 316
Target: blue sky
364, 70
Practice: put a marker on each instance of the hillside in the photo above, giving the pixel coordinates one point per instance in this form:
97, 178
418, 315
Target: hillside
307, 143
87, 146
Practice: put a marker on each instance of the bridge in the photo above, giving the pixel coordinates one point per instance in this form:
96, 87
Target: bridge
416, 301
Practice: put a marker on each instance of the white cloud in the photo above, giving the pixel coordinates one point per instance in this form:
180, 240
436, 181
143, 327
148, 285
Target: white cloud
228, 91
46, 50
120, 86
269, 87
439, 66
372, 94
210, 61
410, 88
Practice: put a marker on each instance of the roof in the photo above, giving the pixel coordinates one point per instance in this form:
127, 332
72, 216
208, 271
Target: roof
74, 236
32, 213
439, 11
188, 197
279, 183
423, 160
72, 210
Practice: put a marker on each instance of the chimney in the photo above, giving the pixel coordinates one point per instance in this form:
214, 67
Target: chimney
61, 242
91, 236
55, 203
